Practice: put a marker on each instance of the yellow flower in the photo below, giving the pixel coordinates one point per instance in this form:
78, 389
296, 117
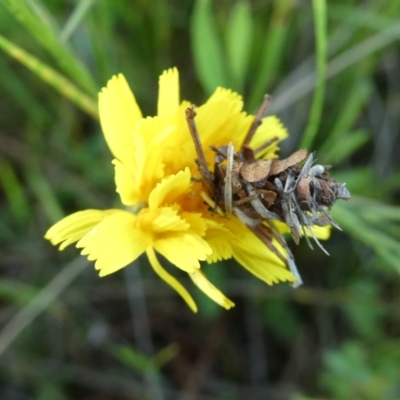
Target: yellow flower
156, 178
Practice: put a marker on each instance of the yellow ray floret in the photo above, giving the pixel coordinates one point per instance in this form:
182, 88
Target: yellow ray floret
119, 113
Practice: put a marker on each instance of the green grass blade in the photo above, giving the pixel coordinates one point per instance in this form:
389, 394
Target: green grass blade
271, 53
44, 194
52, 77
364, 49
165, 355
238, 43
348, 58
320, 23
44, 299
16, 89
269, 62
354, 101
75, 19
376, 233
35, 17
132, 358
207, 50
349, 143
14, 191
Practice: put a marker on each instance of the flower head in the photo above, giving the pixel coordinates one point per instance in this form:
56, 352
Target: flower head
167, 209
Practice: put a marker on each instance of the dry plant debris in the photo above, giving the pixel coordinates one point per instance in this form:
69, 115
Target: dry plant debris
259, 192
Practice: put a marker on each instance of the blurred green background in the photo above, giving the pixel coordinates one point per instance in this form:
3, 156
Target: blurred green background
67, 334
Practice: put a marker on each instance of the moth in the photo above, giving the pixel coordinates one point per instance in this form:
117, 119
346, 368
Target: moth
260, 192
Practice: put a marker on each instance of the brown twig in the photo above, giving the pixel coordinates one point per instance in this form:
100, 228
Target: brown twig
257, 120
201, 160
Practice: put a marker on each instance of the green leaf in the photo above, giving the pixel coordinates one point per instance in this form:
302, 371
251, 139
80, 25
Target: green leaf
18, 90
132, 358
320, 23
50, 76
269, 62
16, 292
75, 19
165, 355
345, 147
358, 180
365, 315
238, 43
377, 229
44, 193
207, 50
14, 192
35, 17
354, 101
273, 36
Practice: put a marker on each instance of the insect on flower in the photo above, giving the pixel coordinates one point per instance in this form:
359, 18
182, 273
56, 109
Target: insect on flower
180, 209
259, 192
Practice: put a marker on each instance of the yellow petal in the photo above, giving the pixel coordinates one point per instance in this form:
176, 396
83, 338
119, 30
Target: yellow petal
170, 280
183, 250
179, 151
119, 113
124, 183
321, 232
196, 221
227, 96
221, 120
256, 257
168, 220
200, 280
168, 95
270, 128
219, 238
130, 179
170, 188
154, 167
72, 228
114, 243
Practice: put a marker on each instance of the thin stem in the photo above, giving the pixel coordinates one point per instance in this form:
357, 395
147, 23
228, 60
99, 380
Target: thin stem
141, 327
201, 161
41, 301
257, 120
266, 144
